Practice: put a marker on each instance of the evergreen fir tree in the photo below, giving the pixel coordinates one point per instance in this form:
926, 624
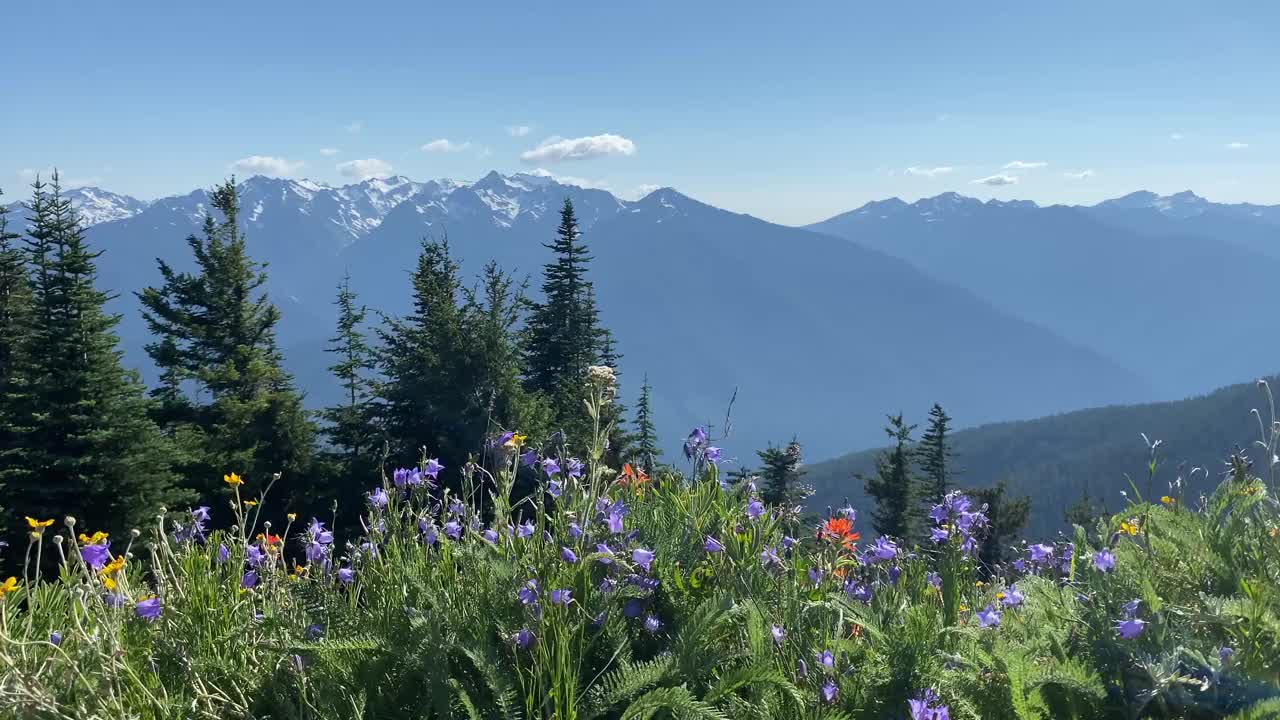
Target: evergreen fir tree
564, 337
420, 358
1085, 511
224, 395
494, 365
893, 487
645, 452
781, 474
351, 430
1006, 516
934, 458
87, 446
15, 310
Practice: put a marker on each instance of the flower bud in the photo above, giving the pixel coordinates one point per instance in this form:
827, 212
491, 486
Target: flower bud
135, 533
69, 521
57, 539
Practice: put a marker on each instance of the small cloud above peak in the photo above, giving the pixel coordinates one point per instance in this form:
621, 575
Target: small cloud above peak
268, 165
1237, 145
329, 152
445, 145
518, 130
1081, 175
1021, 165
559, 149
997, 180
364, 169
928, 171
641, 191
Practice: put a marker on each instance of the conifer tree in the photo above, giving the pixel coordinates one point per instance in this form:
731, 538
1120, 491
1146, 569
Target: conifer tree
1006, 516
564, 336
781, 474
934, 458
893, 487
645, 452
224, 394
87, 447
351, 430
494, 364
15, 309
421, 397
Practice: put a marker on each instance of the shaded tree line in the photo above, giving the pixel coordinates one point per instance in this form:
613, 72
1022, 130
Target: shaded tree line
80, 435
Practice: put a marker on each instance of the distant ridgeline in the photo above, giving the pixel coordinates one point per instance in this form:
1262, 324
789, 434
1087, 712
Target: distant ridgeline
1057, 460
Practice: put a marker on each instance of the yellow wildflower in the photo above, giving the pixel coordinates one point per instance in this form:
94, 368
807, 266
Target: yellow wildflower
516, 440
116, 565
979, 584
35, 524
292, 516
250, 503
8, 586
1129, 527
93, 539
999, 596
1167, 500
964, 608
233, 480
109, 583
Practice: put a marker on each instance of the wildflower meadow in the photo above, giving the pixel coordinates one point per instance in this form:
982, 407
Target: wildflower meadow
609, 593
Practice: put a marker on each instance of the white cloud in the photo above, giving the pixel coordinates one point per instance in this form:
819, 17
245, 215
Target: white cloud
928, 171
1237, 145
518, 130
328, 152
77, 182
640, 191
1082, 175
266, 165
1020, 165
558, 149
445, 145
1176, 136
364, 169
997, 180
355, 127
572, 180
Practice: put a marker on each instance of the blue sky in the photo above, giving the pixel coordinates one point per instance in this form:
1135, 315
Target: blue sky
788, 111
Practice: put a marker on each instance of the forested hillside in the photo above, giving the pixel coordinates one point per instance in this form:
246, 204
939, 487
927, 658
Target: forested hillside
1057, 460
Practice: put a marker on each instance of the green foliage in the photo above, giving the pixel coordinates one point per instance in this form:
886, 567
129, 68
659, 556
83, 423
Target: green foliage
893, 487
933, 456
1006, 517
350, 426
77, 437
1056, 459
645, 451
451, 370
224, 397
564, 336
430, 621
781, 475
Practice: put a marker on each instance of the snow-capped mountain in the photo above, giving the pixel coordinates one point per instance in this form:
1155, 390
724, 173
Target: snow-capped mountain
1015, 292
94, 204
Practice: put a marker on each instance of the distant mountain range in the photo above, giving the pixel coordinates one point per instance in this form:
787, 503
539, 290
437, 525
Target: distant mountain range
1057, 459
1170, 288
999, 310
